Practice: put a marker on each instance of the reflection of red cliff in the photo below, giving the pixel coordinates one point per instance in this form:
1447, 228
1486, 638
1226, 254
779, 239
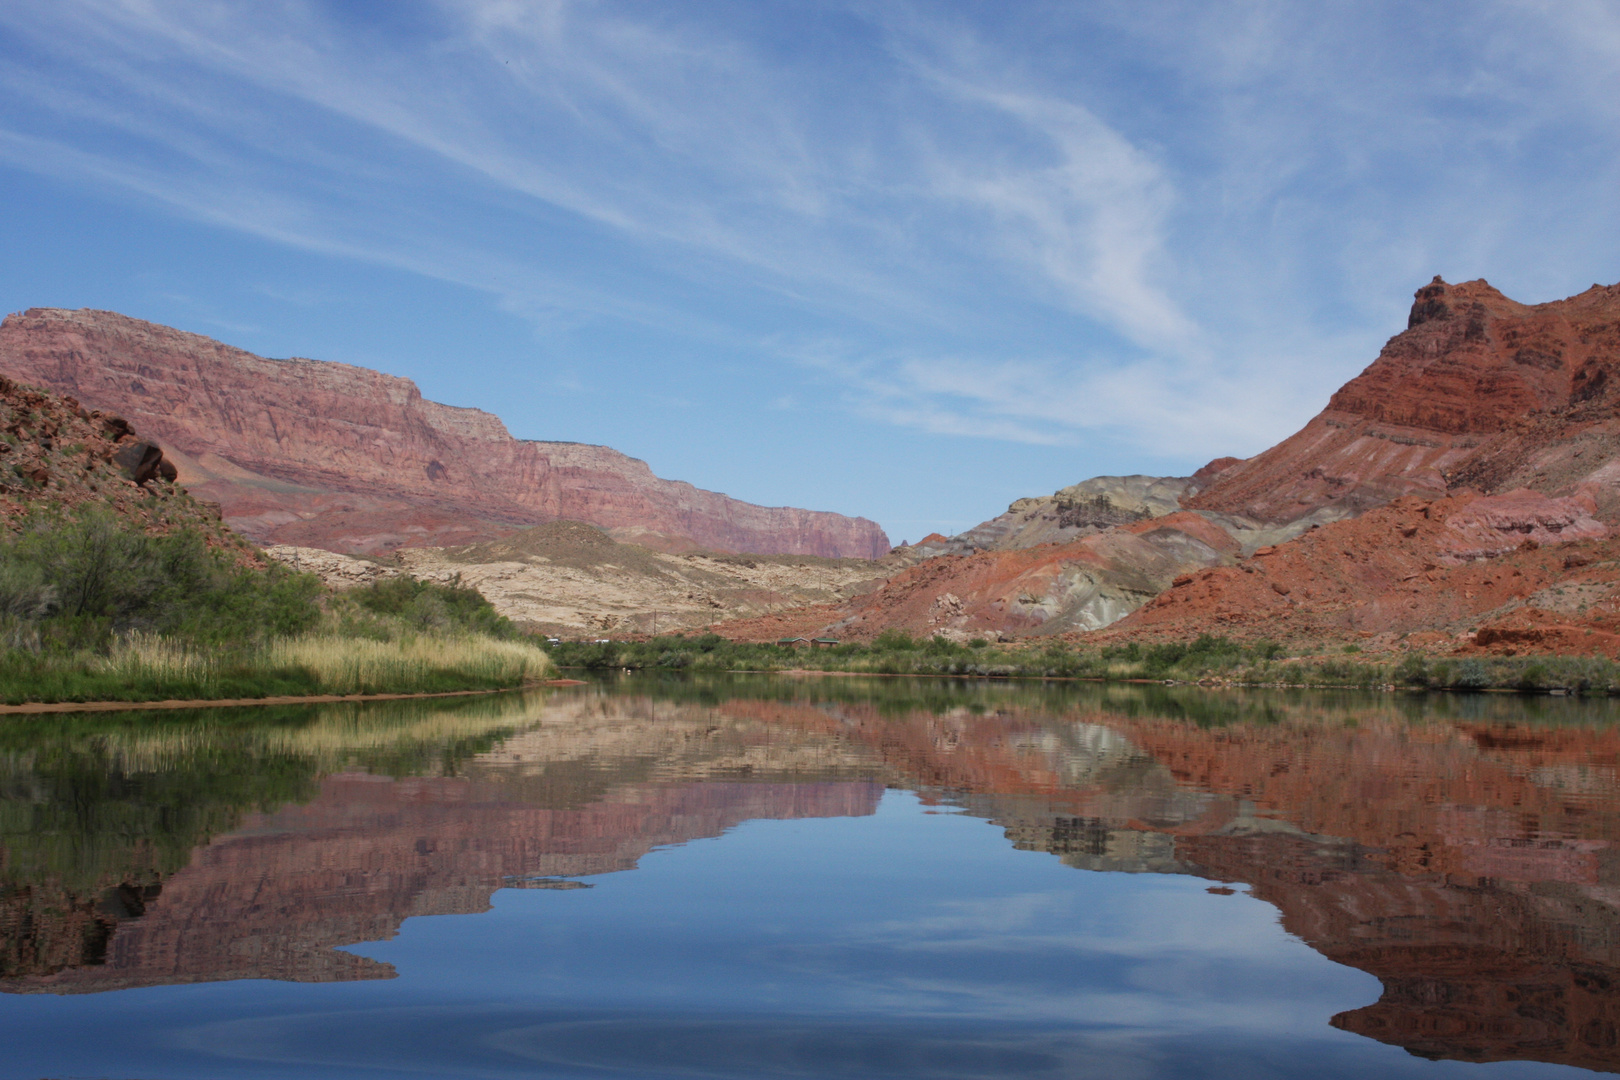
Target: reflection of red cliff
1470, 866
1485, 892
273, 899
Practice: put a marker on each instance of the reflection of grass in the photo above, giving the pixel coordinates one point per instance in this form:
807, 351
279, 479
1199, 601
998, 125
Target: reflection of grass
411, 734
146, 667
93, 799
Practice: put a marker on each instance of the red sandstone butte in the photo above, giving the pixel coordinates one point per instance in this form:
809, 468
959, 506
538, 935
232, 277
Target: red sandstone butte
330, 455
1479, 391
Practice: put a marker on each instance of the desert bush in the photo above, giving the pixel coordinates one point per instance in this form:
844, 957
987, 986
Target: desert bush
429, 605
79, 582
893, 641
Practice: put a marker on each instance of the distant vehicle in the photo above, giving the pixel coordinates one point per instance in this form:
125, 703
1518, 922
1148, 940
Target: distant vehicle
553, 641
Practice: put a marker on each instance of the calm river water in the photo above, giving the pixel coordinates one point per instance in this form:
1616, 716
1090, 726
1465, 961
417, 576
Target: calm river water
827, 877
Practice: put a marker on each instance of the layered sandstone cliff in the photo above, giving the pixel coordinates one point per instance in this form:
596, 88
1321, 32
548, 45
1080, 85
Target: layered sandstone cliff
1478, 391
340, 457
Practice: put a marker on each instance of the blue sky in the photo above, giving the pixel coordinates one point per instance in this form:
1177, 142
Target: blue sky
909, 261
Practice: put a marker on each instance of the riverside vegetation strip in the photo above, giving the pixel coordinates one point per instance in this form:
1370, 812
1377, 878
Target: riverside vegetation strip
1208, 659
93, 607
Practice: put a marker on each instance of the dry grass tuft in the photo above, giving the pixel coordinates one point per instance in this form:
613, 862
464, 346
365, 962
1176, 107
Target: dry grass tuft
337, 665
345, 665
152, 656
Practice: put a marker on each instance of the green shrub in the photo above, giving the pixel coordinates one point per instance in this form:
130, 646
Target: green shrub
1534, 677
893, 641
77, 582
1471, 675
428, 605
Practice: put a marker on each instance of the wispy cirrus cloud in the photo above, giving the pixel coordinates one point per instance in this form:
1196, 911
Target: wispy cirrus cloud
663, 136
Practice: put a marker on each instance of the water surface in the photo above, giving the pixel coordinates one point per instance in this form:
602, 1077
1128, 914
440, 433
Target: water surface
755, 877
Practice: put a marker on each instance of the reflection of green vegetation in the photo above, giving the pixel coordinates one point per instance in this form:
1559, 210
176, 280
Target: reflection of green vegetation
72, 815
1205, 658
90, 800
894, 652
1205, 707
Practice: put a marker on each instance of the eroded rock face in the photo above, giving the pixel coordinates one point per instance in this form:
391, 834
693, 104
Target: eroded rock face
340, 457
1478, 391
1415, 565
1083, 509
1086, 584
1501, 414
574, 580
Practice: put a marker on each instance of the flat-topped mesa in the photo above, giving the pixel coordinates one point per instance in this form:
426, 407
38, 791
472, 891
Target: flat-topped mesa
1478, 390
331, 455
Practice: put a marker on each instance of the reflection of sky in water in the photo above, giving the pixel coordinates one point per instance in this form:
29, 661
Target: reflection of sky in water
909, 944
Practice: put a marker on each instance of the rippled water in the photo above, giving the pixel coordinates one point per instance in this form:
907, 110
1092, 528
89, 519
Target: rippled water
833, 877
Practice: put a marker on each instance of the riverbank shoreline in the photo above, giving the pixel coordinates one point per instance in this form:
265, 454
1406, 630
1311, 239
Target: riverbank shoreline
1207, 661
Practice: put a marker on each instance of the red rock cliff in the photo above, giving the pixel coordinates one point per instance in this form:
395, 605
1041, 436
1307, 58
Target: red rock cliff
1479, 390
337, 456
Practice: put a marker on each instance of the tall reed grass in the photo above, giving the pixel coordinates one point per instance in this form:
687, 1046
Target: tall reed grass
345, 665
145, 667
142, 657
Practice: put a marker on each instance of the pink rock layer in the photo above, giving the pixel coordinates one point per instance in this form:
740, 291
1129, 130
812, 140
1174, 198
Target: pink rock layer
352, 459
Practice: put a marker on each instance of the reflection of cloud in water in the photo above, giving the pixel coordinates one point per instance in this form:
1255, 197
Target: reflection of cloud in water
1137, 952
512, 1042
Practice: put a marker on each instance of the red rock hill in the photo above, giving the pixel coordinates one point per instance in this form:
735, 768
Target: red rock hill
1478, 391
330, 455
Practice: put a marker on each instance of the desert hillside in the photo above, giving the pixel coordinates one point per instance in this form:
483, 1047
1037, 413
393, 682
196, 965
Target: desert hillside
1463, 486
